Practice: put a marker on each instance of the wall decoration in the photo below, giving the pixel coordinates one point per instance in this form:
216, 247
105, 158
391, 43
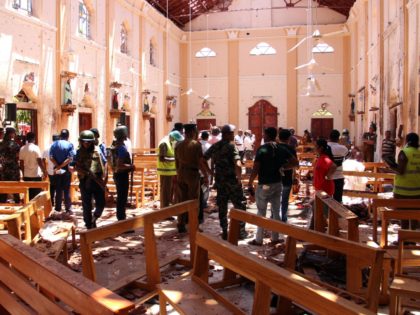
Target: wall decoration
67, 105
26, 94
126, 103
205, 106
146, 107
361, 97
115, 101
87, 99
170, 103
153, 108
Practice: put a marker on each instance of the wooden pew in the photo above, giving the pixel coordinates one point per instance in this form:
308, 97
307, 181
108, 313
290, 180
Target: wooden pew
404, 287
336, 211
32, 283
377, 180
194, 295
355, 252
152, 264
144, 151
405, 204
31, 217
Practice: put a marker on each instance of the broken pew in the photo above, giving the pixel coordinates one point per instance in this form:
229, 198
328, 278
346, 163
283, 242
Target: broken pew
50, 237
152, 264
401, 204
364, 255
33, 283
195, 295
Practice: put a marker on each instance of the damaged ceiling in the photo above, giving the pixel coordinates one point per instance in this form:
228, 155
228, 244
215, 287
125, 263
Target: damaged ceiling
179, 11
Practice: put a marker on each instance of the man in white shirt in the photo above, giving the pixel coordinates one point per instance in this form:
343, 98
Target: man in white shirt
239, 142
31, 163
50, 168
339, 152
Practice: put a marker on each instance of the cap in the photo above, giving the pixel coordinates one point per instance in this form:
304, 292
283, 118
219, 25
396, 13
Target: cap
190, 127
95, 132
228, 128
176, 135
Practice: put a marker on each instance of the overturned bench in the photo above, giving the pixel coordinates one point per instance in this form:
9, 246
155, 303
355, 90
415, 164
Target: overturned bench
194, 294
49, 237
32, 283
152, 265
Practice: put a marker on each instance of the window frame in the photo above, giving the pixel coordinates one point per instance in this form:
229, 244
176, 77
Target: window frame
124, 43
205, 52
84, 21
17, 5
258, 50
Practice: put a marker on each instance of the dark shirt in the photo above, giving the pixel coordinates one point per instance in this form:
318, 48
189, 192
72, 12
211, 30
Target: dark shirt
224, 154
287, 179
270, 157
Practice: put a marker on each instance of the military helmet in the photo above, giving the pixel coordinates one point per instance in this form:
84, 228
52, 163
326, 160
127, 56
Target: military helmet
120, 132
86, 135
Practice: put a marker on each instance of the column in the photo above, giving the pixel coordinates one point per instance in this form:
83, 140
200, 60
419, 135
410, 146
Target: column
292, 83
183, 61
233, 78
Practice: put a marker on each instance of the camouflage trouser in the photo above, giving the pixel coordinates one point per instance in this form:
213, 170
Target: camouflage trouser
229, 191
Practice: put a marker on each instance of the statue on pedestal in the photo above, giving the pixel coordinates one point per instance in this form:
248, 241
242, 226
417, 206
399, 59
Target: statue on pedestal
67, 93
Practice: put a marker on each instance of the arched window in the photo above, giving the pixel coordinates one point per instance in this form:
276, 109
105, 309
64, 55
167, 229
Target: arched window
262, 49
205, 52
124, 40
84, 20
25, 5
152, 53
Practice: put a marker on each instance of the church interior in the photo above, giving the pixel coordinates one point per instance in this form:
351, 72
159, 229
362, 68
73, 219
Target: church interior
309, 66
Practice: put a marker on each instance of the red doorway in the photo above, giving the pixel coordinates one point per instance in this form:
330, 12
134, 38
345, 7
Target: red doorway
204, 124
261, 115
85, 121
321, 127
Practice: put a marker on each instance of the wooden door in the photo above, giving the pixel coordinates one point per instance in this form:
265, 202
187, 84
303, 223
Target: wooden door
205, 124
261, 115
85, 121
152, 133
321, 127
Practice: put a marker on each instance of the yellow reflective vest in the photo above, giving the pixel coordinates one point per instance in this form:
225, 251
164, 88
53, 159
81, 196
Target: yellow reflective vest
166, 168
408, 184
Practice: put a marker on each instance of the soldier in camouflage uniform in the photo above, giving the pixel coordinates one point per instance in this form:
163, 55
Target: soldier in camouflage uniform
227, 163
9, 160
89, 164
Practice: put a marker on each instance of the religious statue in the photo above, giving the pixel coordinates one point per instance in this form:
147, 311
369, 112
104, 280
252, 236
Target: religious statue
126, 102
352, 106
146, 107
67, 93
115, 104
153, 108
87, 98
26, 94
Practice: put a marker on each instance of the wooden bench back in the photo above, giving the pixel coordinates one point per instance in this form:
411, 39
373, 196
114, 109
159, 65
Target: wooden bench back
355, 252
393, 204
335, 211
144, 151
61, 290
31, 215
403, 236
268, 278
388, 215
146, 221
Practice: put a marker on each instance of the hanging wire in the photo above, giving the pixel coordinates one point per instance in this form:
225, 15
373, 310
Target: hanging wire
190, 45
208, 58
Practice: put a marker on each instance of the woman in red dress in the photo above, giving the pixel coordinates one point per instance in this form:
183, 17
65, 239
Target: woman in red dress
324, 168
